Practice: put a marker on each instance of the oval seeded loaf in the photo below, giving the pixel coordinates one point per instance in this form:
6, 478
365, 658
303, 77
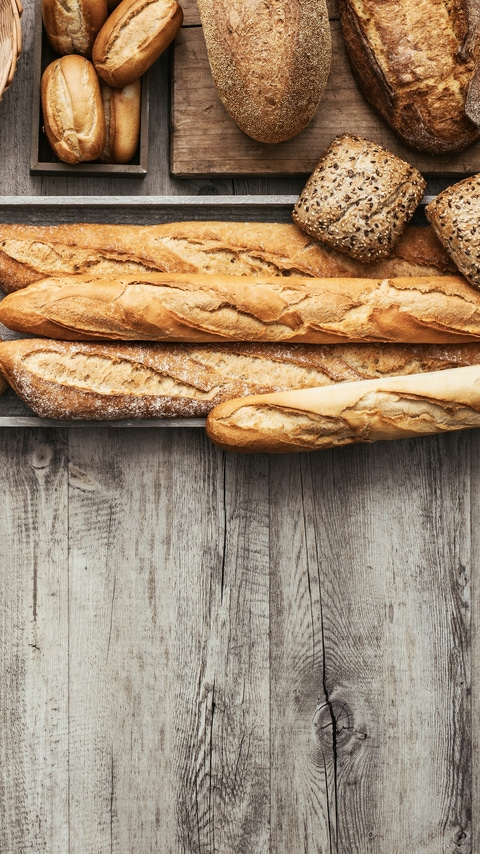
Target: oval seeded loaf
455, 217
269, 61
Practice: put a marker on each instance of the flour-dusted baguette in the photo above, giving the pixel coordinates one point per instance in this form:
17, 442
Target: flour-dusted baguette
32, 252
347, 413
72, 27
98, 380
417, 63
206, 307
270, 62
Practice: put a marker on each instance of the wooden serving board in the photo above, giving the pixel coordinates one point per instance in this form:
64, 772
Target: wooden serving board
206, 141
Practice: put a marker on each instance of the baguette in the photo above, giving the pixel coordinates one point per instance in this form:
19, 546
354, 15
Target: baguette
348, 413
208, 308
68, 380
32, 252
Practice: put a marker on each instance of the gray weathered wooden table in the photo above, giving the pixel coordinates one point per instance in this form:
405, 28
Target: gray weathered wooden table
202, 652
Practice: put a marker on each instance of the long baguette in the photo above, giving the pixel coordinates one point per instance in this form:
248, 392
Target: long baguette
348, 413
208, 308
32, 252
68, 380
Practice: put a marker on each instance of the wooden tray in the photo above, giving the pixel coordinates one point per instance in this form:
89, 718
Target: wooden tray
205, 140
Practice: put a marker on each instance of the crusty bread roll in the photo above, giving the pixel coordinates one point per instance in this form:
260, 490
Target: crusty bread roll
270, 62
122, 121
203, 307
347, 413
455, 217
134, 35
359, 198
99, 380
72, 109
417, 63
72, 25
32, 252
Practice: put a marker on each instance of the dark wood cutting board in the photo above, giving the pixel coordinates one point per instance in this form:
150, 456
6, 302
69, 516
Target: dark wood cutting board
205, 141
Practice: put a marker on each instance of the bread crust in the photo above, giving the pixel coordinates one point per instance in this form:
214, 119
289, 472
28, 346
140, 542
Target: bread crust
215, 308
347, 413
270, 62
418, 65
134, 35
31, 252
72, 109
121, 108
73, 27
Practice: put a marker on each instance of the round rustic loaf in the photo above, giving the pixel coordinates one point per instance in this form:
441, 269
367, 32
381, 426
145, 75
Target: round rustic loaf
72, 26
72, 107
133, 37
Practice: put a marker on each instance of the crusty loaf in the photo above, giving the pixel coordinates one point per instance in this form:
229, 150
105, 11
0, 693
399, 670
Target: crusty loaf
359, 198
132, 38
122, 108
205, 307
270, 62
417, 63
67, 380
347, 413
31, 252
72, 108
72, 27
455, 217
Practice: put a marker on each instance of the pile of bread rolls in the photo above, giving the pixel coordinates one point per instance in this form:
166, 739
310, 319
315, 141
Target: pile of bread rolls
91, 93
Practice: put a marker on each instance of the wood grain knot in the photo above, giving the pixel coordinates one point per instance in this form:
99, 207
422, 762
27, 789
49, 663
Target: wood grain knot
41, 457
79, 479
333, 721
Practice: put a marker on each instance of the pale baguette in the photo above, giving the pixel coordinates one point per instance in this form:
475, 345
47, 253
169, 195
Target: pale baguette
104, 381
32, 252
348, 413
208, 308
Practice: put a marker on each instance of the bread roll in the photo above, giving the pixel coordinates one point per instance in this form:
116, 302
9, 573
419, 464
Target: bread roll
135, 34
122, 122
347, 413
359, 198
72, 25
270, 62
417, 63
66, 380
206, 307
32, 252
72, 109
455, 217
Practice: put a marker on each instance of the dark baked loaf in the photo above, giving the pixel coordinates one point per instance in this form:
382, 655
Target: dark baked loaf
455, 217
417, 64
359, 198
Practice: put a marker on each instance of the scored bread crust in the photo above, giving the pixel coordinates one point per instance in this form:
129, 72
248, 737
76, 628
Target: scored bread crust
270, 62
31, 252
67, 380
210, 307
418, 65
122, 109
347, 413
72, 27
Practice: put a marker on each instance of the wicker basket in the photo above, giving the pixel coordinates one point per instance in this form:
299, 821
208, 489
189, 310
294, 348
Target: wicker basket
10, 40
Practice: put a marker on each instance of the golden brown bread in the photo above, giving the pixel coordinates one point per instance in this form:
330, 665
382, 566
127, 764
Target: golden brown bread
132, 38
207, 307
418, 66
72, 27
347, 413
66, 380
31, 252
455, 218
121, 108
72, 108
269, 61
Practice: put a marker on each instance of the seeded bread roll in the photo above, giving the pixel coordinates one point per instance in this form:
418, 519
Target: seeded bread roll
270, 62
455, 217
348, 413
72, 109
359, 198
417, 63
135, 34
122, 122
207, 307
32, 252
72, 26
66, 380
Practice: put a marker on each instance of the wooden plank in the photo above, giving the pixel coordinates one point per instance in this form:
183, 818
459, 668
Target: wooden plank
205, 140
